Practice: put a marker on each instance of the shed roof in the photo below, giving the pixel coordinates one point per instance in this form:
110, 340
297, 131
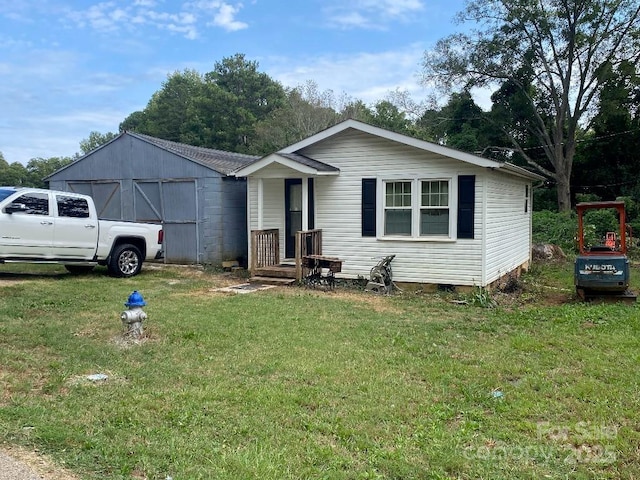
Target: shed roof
219, 160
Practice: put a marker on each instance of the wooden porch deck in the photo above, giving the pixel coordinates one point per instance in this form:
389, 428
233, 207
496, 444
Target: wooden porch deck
265, 258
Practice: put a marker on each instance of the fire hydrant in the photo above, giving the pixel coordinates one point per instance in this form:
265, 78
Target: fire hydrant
132, 319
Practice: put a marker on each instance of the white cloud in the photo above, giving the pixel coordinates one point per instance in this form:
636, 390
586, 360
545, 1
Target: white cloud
369, 77
225, 18
109, 16
372, 14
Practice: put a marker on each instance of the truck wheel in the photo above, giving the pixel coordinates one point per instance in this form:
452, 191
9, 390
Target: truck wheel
78, 269
125, 261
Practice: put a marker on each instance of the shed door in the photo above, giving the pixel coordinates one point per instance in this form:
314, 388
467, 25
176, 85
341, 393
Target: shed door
106, 197
174, 202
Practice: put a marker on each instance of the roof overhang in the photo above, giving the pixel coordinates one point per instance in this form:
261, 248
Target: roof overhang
276, 158
416, 143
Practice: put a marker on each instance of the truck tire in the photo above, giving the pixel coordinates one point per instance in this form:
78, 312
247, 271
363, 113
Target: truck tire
78, 269
125, 261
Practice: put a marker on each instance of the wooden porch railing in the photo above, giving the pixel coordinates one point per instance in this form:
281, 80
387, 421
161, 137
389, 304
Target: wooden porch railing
265, 248
308, 242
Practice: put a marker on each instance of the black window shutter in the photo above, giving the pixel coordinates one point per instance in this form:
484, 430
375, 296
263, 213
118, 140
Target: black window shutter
466, 205
369, 207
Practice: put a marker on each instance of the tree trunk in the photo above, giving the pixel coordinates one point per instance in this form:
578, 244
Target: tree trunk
563, 187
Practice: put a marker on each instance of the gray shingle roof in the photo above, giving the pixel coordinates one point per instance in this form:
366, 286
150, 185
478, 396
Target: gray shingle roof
219, 160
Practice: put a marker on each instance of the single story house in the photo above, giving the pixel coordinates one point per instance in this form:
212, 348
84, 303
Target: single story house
190, 190
449, 217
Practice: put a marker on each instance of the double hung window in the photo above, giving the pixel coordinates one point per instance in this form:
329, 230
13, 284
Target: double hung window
397, 208
434, 207
417, 208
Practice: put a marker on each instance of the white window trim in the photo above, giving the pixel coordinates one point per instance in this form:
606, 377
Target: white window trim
415, 209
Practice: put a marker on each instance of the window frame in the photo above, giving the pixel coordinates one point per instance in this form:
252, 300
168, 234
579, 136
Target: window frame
416, 208
398, 208
423, 208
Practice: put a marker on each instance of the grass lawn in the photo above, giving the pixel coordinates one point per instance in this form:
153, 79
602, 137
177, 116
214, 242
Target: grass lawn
290, 383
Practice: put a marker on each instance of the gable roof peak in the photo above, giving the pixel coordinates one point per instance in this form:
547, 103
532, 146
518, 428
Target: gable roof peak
410, 141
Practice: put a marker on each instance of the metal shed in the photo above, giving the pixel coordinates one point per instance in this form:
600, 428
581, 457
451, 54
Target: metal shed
190, 190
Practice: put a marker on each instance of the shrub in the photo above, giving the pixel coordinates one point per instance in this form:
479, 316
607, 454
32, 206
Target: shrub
558, 228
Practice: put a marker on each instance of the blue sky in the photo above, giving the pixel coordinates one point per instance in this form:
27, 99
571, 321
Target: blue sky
69, 67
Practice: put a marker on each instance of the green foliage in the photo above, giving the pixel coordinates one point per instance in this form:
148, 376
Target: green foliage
95, 140
600, 222
607, 158
460, 124
480, 297
547, 58
305, 111
558, 228
219, 109
289, 384
33, 174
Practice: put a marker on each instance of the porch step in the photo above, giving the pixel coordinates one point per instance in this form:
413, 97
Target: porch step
278, 271
272, 280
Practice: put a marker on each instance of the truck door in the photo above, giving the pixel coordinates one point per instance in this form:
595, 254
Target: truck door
76, 232
27, 232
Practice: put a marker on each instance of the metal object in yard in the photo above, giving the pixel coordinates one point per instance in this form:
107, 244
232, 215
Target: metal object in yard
315, 277
132, 319
602, 269
381, 277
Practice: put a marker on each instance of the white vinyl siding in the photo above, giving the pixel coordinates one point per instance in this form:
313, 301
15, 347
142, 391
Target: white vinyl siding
430, 259
508, 227
338, 211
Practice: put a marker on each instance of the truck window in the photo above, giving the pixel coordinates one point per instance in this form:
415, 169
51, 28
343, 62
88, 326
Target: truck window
72, 207
36, 203
5, 192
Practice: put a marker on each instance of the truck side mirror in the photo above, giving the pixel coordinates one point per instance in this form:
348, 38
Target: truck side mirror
15, 207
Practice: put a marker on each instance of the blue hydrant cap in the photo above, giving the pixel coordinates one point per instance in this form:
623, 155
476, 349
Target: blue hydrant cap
135, 300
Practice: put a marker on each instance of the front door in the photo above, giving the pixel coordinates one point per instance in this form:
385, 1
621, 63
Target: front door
293, 214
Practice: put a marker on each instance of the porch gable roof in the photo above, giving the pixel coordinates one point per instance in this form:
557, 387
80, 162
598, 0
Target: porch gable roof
294, 161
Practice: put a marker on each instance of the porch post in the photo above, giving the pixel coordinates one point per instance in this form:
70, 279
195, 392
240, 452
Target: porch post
305, 203
260, 202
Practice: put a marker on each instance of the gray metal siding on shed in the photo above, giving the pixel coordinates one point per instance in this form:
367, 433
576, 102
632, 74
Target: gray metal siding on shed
234, 217
202, 211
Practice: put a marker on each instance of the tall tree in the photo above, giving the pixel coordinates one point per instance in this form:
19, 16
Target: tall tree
607, 160
39, 168
306, 111
95, 140
167, 113
216, 110
553, 51
252, 96
460, 124
387, 115
12, 174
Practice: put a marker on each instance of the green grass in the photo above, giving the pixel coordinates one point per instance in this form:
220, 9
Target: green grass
291, 384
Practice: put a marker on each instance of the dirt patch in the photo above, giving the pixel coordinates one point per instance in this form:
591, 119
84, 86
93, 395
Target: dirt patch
18, 463
8, 283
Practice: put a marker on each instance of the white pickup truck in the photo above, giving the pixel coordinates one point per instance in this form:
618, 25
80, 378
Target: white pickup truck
39, 225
